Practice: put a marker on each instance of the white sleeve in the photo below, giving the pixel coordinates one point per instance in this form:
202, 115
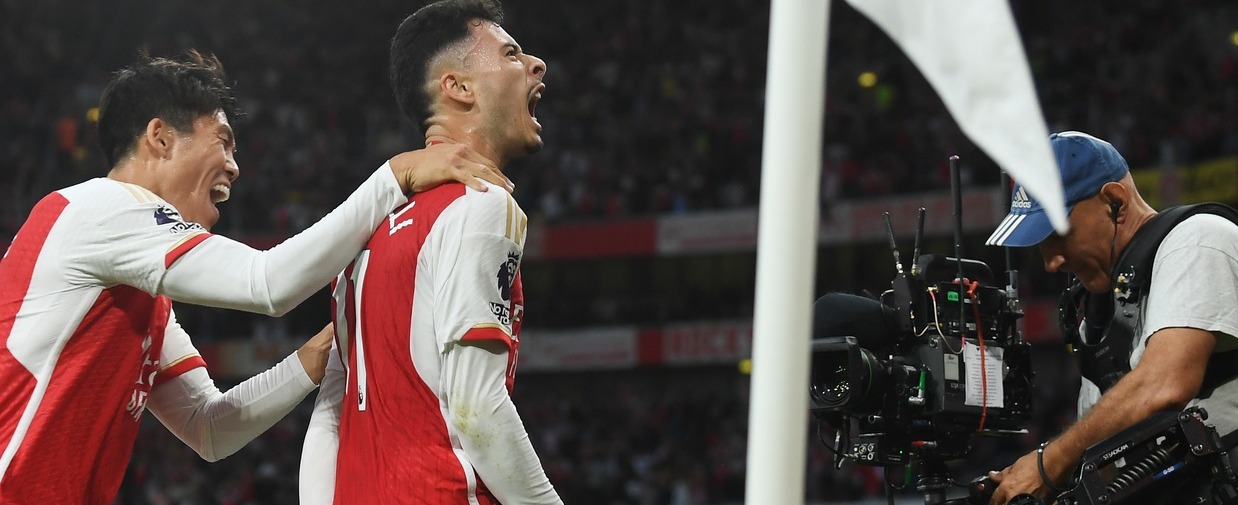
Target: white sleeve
491, 432
322, 438
212, 270
1194, 278
1089, 395
214, 424
475, 269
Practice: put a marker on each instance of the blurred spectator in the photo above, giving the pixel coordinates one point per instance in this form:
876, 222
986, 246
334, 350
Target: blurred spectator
653, 107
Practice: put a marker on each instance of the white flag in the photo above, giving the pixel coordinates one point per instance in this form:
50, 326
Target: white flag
970, 51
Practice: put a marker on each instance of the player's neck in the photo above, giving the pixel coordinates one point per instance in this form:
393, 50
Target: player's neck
138, 170
433, 140
439, 135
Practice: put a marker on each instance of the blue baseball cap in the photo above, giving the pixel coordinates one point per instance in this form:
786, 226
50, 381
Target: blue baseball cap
1085, 163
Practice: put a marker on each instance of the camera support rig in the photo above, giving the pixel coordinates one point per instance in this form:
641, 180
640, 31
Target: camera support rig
1170, 457
1162, 454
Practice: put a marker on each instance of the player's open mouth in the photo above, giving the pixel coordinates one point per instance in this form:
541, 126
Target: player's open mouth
534, 98
220, 193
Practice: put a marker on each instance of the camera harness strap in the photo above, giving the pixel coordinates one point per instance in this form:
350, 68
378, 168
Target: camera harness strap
1112, 318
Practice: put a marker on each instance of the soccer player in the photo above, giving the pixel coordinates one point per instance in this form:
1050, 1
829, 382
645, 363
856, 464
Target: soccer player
87, 335
428, 315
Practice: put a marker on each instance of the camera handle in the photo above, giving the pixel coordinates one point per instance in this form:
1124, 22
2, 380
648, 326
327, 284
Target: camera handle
935, 481
980, 491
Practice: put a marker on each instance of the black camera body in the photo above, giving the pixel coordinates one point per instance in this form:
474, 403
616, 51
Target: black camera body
931, 363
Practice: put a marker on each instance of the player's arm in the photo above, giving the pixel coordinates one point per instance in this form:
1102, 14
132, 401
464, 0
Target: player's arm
225, 273
322, 438
184, 262
217, 424
474, 275
490, 429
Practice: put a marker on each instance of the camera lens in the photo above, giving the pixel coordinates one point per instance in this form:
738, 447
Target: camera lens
833, 388
843, 376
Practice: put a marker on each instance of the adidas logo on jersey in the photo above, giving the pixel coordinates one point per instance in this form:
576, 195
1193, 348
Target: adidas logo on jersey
183, 227
167, 215
1020, 199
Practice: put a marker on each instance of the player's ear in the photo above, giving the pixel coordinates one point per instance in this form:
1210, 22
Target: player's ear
455, 87
159, 137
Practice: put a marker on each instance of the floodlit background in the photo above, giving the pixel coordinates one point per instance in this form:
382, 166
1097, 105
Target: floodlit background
639, 273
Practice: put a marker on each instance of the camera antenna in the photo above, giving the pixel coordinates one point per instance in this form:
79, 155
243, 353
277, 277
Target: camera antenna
1012, 275
901, 287
915, 252
957, 190
898, 263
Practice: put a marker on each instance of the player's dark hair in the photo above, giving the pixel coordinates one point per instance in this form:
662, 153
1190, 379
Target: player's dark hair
420, 38
176, 91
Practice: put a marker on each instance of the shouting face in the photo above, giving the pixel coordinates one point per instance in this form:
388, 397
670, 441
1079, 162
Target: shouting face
507, 86
201, 169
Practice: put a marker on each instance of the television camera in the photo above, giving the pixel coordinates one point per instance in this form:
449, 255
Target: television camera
911, 376
914, 375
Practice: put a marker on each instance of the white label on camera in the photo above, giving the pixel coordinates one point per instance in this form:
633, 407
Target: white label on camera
952, 367
984, 388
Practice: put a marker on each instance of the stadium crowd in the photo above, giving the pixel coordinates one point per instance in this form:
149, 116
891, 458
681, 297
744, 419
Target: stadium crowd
651, 107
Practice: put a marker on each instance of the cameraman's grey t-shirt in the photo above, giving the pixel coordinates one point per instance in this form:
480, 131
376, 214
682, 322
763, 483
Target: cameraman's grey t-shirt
1194, 285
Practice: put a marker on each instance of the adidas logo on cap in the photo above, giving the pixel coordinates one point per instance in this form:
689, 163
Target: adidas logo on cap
1020, 199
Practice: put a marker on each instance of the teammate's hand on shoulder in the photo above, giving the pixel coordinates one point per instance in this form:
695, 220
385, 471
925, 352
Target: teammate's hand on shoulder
313, 354
438, 164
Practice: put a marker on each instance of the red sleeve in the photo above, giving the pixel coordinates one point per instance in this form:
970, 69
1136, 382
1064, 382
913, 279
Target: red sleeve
177, 369
180, 249
489, 332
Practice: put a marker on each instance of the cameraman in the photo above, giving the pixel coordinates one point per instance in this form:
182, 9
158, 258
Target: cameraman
1189, 311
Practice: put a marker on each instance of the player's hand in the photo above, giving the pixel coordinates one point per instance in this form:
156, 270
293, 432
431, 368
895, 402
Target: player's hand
1021, 477
427, 168
313, 354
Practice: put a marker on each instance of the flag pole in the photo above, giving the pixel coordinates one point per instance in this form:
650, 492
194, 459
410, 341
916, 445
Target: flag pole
787, 241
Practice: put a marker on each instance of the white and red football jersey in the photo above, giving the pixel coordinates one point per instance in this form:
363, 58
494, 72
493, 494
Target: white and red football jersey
83, 338
442, 270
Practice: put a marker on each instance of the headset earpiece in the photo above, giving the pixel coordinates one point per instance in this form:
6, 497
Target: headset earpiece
1114, 208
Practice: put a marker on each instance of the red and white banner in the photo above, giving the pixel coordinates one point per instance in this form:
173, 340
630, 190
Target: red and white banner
734, 230
614, 348
706, 343
858, 221
588, 349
